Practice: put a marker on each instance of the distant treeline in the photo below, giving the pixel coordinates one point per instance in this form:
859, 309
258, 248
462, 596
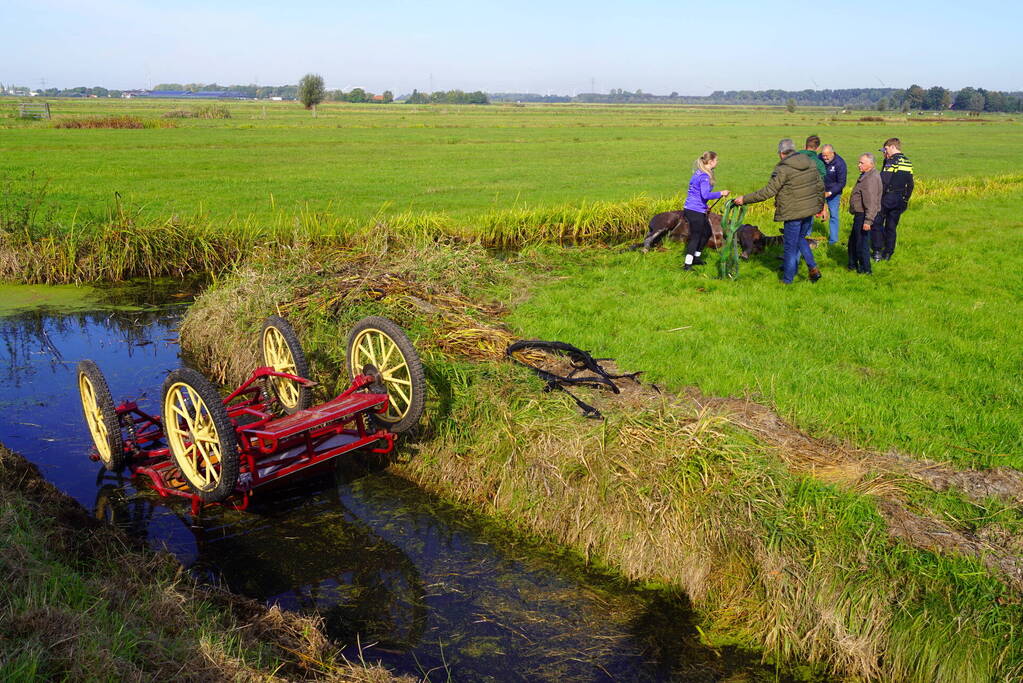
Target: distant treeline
80, 91
912, 98
259, 92
447, 97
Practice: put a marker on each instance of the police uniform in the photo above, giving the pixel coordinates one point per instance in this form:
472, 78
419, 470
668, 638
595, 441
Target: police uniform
897, 187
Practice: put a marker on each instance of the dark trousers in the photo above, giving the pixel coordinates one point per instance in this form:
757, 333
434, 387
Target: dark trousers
859, 245
885, 228
699, 231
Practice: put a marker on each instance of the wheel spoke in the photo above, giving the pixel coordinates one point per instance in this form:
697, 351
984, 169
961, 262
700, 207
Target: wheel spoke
386, 355
390, 374
209, 472
182, 409
368, 353
401, 392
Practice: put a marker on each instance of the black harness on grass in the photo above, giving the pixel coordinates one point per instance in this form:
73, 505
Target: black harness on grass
581, 361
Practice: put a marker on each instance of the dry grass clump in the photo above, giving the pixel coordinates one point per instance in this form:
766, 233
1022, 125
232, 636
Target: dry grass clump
432, 285
125, 121
206, 111
212, 111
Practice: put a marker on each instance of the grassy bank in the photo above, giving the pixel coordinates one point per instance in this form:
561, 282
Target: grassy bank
38, 245
80, 601
802, 552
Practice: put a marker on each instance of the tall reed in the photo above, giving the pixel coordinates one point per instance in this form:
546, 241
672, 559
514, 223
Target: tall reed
35, 247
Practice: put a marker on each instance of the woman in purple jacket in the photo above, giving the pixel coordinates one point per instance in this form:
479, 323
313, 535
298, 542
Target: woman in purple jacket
695, 208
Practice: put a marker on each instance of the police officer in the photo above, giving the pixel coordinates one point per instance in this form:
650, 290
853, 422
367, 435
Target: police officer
897, 187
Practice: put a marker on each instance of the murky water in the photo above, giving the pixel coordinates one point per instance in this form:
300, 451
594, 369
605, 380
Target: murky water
426, 588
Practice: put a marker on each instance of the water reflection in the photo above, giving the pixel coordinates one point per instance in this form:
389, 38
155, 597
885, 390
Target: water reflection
424, 586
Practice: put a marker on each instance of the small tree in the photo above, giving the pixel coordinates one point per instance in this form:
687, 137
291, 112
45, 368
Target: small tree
311, 91
790, 105
388, 96
882, 104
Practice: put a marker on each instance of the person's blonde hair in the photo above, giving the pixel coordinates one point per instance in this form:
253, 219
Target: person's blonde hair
700, 165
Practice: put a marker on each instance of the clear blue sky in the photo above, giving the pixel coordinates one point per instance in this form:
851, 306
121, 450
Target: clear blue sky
525, 46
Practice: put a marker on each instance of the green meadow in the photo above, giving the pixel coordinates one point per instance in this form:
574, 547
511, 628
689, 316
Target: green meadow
361, 161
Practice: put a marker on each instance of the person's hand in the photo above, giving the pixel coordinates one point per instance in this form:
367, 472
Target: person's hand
827, 194
866, 227
738, 200
724, 193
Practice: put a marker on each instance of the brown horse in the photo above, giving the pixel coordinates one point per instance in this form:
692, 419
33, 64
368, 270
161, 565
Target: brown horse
674, 223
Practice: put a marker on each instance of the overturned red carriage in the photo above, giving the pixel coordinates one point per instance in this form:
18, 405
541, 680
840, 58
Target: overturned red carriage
219, 450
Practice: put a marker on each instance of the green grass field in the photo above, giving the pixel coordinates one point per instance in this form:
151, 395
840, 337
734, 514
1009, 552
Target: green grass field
360, 160
923, 356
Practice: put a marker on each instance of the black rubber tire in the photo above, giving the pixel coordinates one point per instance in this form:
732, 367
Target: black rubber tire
415, 367
105, 403
305, 394
228, 441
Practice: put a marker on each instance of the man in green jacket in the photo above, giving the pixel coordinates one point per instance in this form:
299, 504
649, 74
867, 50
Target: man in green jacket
798, 192
813, 143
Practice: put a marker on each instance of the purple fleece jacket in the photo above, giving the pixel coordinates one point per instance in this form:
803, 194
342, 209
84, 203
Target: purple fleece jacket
699, 193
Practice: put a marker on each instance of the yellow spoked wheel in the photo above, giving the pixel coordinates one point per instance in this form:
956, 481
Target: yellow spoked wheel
378, 347
101, 416
200, 436
283, 353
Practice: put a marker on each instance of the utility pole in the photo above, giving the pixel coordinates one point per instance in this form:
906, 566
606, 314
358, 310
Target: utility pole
593, 85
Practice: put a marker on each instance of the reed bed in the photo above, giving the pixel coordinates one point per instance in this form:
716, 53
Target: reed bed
35, 247
125, 121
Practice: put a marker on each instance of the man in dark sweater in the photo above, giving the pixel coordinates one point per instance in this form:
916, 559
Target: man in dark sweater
834, 182
897, 187
798, 193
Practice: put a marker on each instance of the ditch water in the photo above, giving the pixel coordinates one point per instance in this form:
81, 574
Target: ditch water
426, 588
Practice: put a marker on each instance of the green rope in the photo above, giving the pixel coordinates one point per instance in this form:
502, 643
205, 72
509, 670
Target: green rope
728, 259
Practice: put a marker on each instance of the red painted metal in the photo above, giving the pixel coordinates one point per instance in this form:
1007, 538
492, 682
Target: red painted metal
269, 448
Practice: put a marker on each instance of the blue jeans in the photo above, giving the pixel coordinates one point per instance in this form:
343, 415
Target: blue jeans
833, 223
795, 245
